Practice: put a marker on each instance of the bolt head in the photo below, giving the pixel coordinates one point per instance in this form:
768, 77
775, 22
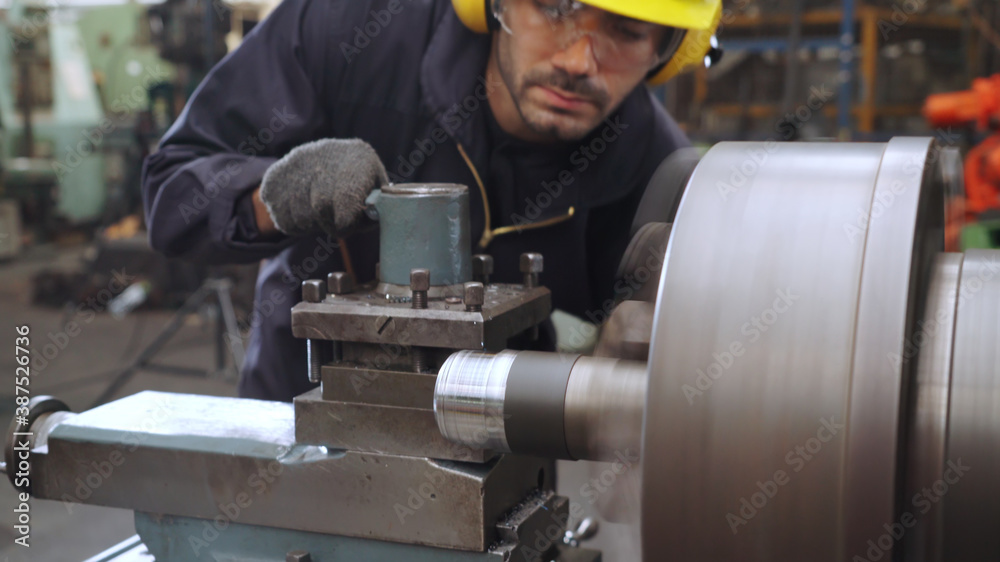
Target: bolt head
482, 265
313, 290
420, 280
474, 294
339, 283
298, 556
531, 262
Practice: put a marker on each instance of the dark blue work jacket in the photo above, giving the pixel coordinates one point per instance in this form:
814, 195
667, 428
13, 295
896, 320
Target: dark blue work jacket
407, 77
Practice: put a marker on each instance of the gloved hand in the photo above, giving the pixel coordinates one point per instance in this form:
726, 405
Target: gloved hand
322, 186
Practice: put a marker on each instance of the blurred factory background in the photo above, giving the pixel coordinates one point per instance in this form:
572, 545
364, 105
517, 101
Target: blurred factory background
87, 88
862, 68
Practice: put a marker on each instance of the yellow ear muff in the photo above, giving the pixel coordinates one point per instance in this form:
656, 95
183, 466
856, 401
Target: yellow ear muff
475, 14
690, 53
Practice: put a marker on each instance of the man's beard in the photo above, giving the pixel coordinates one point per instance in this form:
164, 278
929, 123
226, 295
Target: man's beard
557, 78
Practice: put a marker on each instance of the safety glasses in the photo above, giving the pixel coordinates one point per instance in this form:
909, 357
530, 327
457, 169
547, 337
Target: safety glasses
618, 42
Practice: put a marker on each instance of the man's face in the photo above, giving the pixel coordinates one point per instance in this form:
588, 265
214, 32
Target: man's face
567, 67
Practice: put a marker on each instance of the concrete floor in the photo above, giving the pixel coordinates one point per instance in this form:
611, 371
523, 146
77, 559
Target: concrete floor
73, 532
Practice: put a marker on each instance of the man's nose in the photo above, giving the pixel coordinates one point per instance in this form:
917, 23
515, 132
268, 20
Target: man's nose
577, 58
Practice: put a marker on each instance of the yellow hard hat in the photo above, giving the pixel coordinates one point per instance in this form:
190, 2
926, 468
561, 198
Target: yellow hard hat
684, 14
699, 19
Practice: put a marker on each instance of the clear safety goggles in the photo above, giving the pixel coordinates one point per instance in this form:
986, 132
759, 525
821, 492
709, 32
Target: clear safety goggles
617, 42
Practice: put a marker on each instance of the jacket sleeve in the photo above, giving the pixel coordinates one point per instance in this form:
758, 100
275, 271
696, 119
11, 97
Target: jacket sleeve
258, 103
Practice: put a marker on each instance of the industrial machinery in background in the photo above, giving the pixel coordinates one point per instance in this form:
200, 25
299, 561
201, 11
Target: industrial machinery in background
196, 34
48, 99
977, 111
87, 92
822, 383
824, 69
73, 88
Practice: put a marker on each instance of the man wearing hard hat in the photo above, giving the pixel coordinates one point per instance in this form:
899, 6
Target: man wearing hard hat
540, 106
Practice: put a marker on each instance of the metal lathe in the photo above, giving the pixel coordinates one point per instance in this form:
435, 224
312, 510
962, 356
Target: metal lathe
822, 384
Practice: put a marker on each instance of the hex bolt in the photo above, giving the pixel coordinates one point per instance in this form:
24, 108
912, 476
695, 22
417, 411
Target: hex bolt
420, 283
474, 296
531, 267
298, 556
313, 290
339, 283
482, 268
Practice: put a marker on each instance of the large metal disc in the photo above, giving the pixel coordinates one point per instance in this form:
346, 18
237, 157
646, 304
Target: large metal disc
969, 486
792, 281
927, 454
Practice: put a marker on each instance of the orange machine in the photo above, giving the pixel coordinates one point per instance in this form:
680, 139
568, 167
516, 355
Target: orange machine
979, 106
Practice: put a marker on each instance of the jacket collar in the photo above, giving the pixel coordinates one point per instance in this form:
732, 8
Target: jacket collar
453, 82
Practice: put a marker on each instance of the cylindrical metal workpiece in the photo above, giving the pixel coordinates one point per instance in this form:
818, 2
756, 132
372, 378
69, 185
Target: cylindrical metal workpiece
469, 399
605, 400
424, 226
551, 405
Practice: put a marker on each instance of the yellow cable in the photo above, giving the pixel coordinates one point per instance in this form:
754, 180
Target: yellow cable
488, 233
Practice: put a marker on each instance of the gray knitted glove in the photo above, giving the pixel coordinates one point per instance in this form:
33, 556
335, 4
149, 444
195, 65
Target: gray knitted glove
322, 186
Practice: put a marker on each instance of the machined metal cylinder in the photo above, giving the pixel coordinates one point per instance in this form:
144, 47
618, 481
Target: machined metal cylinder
424, 226
552, 405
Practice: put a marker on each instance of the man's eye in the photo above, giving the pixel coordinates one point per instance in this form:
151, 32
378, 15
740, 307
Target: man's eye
551, 9
630, 31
